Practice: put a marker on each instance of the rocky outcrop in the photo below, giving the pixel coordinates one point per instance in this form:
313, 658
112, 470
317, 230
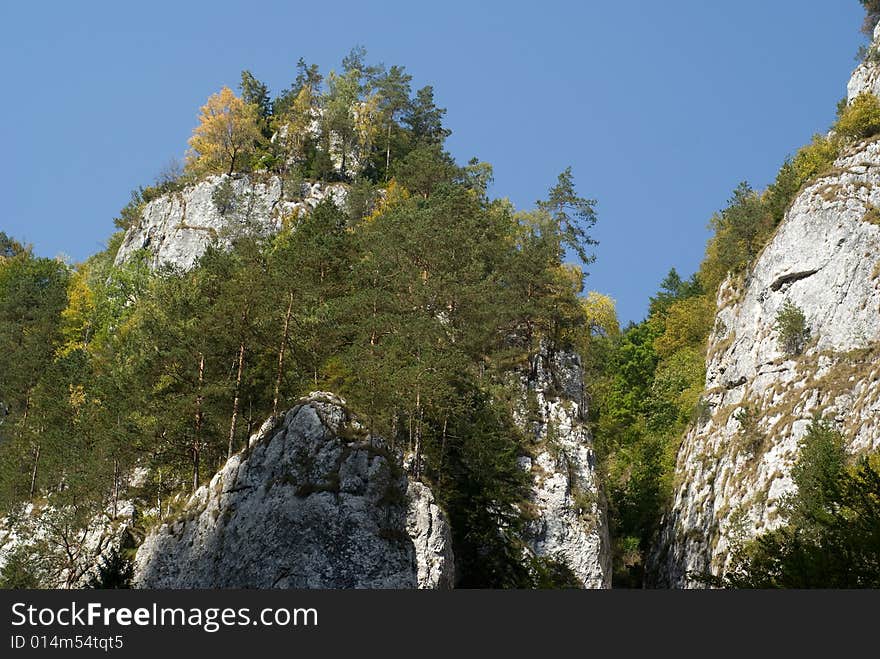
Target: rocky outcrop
568, 519
734, 465
62, 546
866, 78
178, 227
312, 502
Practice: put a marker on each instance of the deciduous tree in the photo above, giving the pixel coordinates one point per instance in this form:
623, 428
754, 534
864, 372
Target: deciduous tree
226, 137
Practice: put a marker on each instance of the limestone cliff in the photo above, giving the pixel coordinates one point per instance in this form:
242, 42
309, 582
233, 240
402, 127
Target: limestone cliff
62, 546
568, 517
312, 502
825, 259
866, 78
176, 228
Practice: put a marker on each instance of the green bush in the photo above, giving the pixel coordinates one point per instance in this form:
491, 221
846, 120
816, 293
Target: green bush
223, 197
792, 327
815, 158
18, 573
860, 119
832, 539
751, 438
115, 572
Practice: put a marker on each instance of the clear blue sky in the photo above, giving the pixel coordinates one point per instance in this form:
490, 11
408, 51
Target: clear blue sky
661, 108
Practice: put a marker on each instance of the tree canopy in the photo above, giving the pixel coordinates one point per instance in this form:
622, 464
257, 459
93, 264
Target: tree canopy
227, 135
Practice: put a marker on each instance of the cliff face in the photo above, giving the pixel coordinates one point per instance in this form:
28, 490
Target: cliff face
177, 228
824, 258
569, 520
311, 503
61, 548
568, 516
866, 78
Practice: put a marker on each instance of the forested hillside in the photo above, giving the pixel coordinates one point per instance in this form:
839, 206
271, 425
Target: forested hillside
413, 301
728, 439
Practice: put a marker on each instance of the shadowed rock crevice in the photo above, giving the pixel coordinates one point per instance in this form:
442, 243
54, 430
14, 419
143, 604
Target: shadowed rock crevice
791, 278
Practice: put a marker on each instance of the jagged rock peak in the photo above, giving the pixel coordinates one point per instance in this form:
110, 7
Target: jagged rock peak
176, 228
569, 521
312, 502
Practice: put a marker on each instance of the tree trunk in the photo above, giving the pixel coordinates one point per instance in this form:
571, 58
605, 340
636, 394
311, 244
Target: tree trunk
443, 444
34, 471
388, 152
395, 429
24, 418
417, 467
115, 487
342, 163
197, 440
232, 161
235, 400
284, 337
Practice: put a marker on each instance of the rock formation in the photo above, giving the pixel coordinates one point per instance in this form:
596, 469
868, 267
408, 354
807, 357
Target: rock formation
866, 78
734, 466
312, 502
569, 521
59, 547
176, 228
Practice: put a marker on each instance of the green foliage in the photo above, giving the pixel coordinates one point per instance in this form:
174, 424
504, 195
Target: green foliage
361, 200
130, 214
832, 538
18, 571
479, 484
33, 292
551, 573
425, 119
810, 161
860, 120
223, 196
424, 169
741, 230
359, 122
751, 438
673, 288
792, 328
255, 93
646, 384
9, 247
814, 159
412, 303
114, 572
872, 16
645, 389
307, 76
573, 216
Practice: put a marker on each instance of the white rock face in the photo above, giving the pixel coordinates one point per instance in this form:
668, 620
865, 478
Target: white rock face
304, 507
177, 228
825, 258
866, 78
571, 522
62, 555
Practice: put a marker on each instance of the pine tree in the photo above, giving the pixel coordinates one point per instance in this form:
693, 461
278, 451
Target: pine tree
425, 119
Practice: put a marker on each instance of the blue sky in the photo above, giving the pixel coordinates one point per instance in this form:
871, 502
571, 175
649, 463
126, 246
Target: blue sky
660, 108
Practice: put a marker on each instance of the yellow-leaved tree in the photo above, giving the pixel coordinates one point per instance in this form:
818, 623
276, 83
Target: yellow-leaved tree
227, 136
601, 314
